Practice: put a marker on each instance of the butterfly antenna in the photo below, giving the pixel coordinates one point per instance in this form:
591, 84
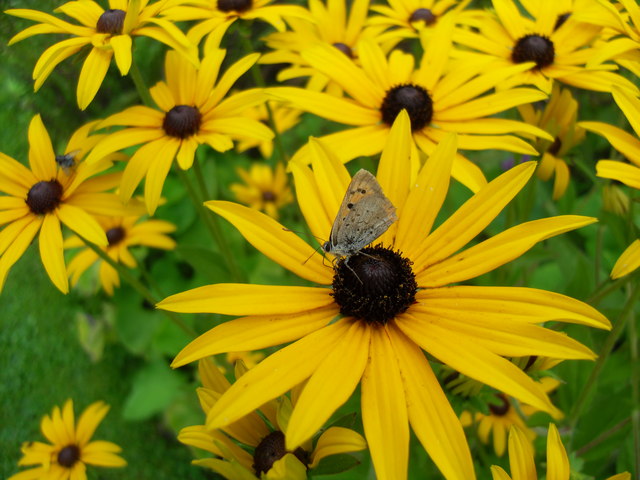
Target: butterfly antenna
314, 252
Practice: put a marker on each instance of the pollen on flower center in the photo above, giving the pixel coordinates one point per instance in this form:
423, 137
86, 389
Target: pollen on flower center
414, 99
502, 408
344, 48
271, 449
423, 14
374, 285
44, 197
115, 235
534, 48
234, 5
182, 121
111, 21
68, 456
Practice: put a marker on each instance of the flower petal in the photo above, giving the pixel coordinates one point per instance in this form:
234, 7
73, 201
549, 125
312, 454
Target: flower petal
89, 421
41, 155
623, 172
521, 455
92, 74
622, 141
336, 440
122, 51
18, 245
52, 252
82, 223
628, 261
557, 460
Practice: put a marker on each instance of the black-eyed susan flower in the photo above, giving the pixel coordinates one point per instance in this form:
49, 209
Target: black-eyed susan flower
627, 173
122, 234
109, 34
438, 101
252, 448
558, 45
71, 449
192, 110
372, 316
503, 414
558, 117
265, 188
521, 459
56, 188
216, 16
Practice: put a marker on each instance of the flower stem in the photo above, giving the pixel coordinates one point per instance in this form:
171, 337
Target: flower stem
635, 390
141, 87
138, 286
605, 288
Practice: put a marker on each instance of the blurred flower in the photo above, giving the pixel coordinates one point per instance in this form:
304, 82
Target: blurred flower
252, 448
614, 199
627, 173
395, 299
550, 41
108, 32
264, 189
71, 448
56, 188
191, 111
558, 117
521, 459
438, 101
122, 233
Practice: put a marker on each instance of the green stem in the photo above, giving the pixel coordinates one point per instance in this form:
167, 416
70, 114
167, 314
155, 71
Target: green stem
605, 288
141, 87
204, 191
635, 391
610, 341
138, 286
598, 254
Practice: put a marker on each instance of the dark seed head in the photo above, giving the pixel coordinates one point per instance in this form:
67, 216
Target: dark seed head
344, 48
534, 48
502, 406
423, 14
182, 121
234, 5
44, 197
115, 235
111, 21
555, 147
270, 450
414, 99
269, 196
68, 456
560, 20
374, 285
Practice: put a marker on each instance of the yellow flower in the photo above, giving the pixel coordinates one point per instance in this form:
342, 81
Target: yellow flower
108, 32
558, 117
270, 459
264, 189
558, 45
71, 448
191, 111
522, 462
55, 189
438, 101
627, 173
122, 233
395, 300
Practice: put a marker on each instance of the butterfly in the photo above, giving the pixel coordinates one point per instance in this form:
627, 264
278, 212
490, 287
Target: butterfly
364, 215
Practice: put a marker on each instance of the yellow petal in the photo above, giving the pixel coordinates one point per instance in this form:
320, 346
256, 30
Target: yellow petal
336, 440
521, 454
122, 51
82, 223
622, 141
628, 261
19, 243
557, 461
51, 252
41, 155
623, 172
92, 74
89, 421
157, 172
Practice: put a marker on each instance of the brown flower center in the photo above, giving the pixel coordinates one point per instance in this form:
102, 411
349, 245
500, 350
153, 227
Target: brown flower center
344, 48
534, 48
68, 456
555, 147
44, 197
182, 121
234, 5
115, 235
412, 98
503, 406
111, 21
268, 196
270, 450
423, 14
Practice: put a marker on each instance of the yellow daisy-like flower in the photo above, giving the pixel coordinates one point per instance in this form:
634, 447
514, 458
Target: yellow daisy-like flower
521, 459
627, 173
371, 317
558, 117
71, 448
109, 34
264, 189
252, 448
559, 45
503, 414
216, 16
191, 111
57, 188
438, 101
122, 233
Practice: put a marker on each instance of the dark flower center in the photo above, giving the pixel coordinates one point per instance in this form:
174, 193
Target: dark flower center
182, 121
44, 197
414, 99
111, 21
534, 48
344, 48
115, 235
234, 5
270, 450
68, 456
555, 147
560, 20
502, 407
374, 285
268, 196
423, 14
